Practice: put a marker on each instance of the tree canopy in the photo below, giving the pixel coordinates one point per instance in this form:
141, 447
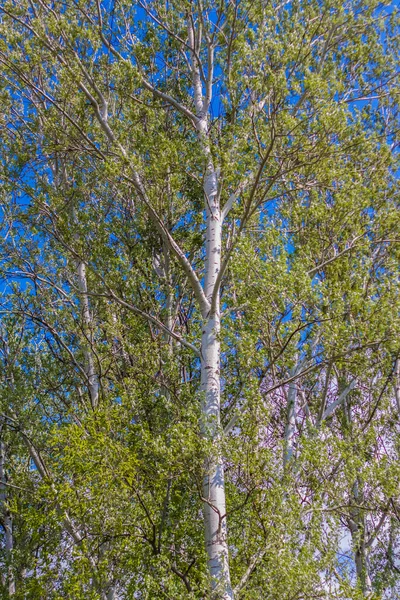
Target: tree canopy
199, 336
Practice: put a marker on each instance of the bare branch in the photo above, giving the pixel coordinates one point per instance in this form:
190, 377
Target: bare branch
331, 407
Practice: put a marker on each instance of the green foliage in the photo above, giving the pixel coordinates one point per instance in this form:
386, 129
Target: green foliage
105, 492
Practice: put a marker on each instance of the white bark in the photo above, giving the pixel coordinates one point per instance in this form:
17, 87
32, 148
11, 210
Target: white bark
340, 399
61, 181
213, 484
357, 525
93, 382
290, 428
358, 534
213, 488
214, 507
397, 385
6, 521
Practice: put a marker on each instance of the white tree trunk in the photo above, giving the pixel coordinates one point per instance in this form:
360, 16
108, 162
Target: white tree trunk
213, 484
290, 428
214, 506
357, 520
397, 385
93, 382
358, 535
61, 181
6, 521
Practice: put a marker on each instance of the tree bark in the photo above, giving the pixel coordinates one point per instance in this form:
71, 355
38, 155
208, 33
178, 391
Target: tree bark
214, 507
397, 384
6, 521
290, 428
214, 483
358, 536
93, 381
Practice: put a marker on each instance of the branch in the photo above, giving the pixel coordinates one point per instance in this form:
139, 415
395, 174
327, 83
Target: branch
388, 379
246, 576
324, 395
180, 107
57, 337
210, 75
177, 251
231, 424
329, 410
378, 527
175, 36
56, 104
157, 221
117, 299
322, 363
182, 576
185, 111
152, 319
136, 181
315, 270
232, 199
246, 215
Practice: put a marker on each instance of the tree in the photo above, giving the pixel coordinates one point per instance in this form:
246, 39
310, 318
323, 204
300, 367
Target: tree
201, 239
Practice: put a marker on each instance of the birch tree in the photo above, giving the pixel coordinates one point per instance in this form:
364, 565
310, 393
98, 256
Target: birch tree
201, 231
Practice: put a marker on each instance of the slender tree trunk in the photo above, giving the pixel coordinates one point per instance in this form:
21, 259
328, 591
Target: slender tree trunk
214, 499
357, 524
107, 590
290, 428
93, 382
61, 181
6, 521
397, 384
213, 484
358, 535
292, 404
